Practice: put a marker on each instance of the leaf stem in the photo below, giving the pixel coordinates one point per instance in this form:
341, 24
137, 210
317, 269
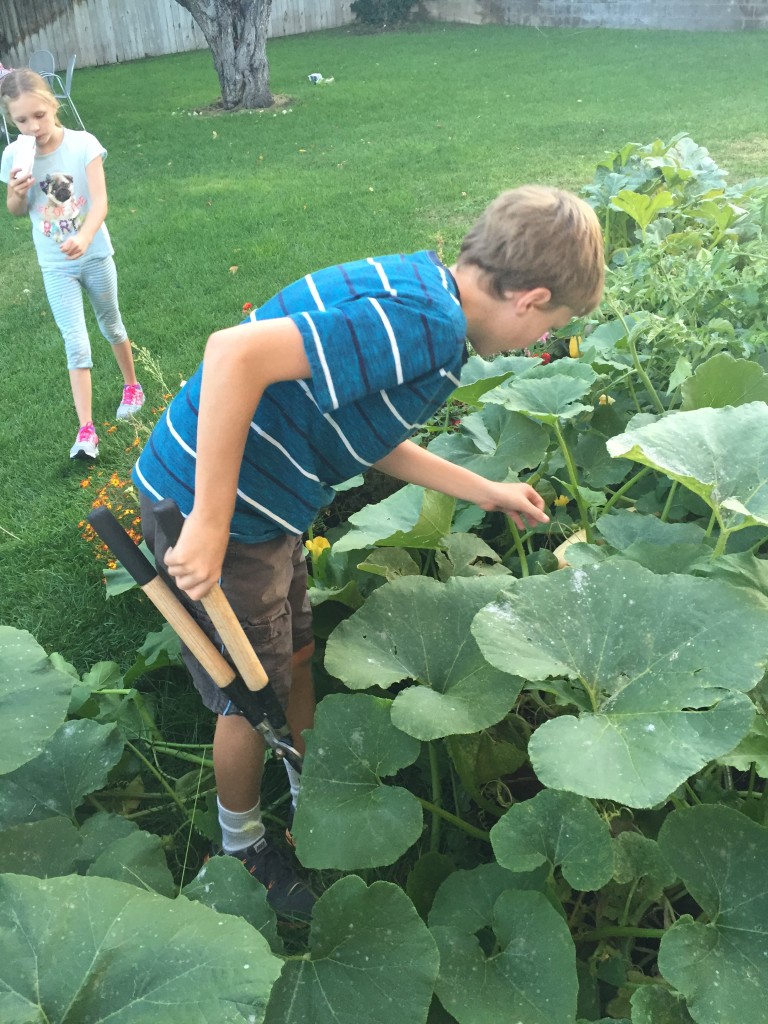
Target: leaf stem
620, 931
158, 775
624, 488
437, 797
182, 755
518, 543
722, 541
668, 502
455, 820
638, 366
574, 481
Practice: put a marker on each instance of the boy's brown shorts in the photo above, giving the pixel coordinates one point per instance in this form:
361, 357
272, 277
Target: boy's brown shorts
266, 584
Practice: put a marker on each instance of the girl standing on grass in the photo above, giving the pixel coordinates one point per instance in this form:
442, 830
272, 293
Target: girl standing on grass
65, 195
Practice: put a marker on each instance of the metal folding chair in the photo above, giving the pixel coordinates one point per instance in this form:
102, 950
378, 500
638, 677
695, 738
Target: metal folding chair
5, 137
63, 90
42, 61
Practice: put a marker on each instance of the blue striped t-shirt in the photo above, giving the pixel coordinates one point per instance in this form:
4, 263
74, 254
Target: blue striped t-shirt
385, 340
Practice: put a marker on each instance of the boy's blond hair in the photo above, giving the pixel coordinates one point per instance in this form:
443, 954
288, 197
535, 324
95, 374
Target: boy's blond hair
535, 236
23, 81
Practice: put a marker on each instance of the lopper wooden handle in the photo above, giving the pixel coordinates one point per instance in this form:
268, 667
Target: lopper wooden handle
218, 608
161, 596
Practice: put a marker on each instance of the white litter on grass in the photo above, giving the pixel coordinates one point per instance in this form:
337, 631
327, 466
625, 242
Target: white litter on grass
317, 79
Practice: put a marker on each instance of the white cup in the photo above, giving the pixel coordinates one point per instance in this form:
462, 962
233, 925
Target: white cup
23, 156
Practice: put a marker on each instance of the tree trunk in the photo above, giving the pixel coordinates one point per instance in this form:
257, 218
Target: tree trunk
236, 32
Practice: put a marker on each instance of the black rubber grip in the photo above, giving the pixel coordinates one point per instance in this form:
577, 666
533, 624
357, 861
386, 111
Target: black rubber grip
169, 519
121, 546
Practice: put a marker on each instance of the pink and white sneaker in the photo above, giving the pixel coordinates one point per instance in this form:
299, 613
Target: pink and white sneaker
86, 445
132, 401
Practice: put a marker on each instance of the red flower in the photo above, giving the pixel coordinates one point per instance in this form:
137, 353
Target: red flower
247, 307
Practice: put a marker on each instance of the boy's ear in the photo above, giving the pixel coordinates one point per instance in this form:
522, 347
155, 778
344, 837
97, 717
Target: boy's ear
533, 298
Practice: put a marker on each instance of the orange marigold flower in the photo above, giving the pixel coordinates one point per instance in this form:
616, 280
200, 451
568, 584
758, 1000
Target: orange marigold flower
85, 483
112, 429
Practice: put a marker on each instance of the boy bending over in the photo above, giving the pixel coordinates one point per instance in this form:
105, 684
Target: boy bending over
327, 379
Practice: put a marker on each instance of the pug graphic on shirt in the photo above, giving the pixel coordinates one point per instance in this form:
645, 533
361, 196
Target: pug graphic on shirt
62, 214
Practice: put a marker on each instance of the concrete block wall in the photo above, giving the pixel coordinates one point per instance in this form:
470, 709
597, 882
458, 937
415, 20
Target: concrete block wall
690, 15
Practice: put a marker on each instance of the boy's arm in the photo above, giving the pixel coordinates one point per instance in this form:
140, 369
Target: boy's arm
416, 465
240, 362
77, 245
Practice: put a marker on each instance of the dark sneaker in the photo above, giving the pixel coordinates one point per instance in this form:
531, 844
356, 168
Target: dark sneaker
290, 897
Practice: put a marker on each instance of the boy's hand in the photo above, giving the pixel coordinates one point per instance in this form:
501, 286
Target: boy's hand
195, 561
523, 505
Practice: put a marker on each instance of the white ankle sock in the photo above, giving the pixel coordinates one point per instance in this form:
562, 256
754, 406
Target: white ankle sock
294, 781
239, 829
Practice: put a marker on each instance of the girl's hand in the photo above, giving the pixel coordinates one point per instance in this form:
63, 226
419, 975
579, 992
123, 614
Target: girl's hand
196, 559
20, 184
75, 247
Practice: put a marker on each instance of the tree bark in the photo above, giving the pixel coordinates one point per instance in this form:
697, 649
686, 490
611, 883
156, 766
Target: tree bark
236, 32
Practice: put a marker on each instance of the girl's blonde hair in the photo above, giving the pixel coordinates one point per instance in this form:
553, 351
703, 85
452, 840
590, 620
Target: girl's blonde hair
536, 236
23, 81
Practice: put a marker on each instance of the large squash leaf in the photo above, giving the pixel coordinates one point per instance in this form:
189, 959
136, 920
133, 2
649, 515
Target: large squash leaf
371, 960
494, 442
531, 979
556, 829
34, 697
663, 662
54, 847
75, 761
507, 985
720, 967
724, 380
705, 450
410, 518
653, 1004
226, 886
346, 817
547, 393
82, 950
418, 629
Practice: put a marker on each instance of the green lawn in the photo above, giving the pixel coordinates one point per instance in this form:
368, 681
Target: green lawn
416, 134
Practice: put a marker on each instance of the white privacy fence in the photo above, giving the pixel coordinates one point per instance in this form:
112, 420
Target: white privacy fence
108, 31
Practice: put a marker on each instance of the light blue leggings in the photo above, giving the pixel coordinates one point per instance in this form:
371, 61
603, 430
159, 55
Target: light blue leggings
64, 287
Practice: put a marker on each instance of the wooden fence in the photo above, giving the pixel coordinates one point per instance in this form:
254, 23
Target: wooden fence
109, 31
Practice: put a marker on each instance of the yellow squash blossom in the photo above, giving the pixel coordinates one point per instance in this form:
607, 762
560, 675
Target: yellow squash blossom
562, 500
316, 545
574, 346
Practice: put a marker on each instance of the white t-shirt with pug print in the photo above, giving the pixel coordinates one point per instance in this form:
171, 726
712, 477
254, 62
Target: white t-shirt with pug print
59, 199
